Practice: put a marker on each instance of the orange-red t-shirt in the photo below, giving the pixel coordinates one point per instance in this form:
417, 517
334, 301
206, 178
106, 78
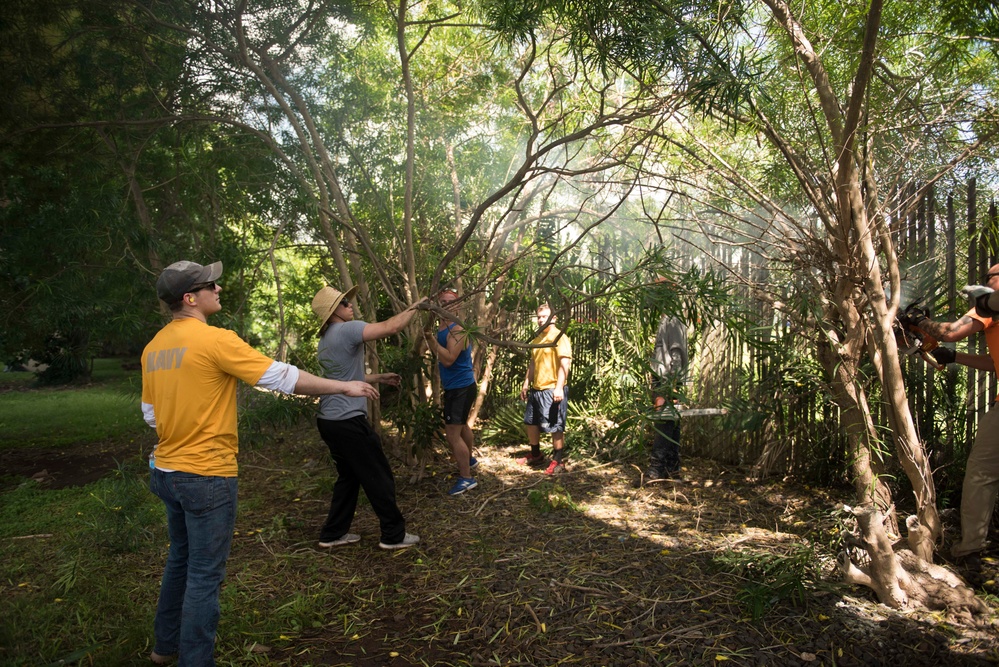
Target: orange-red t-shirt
991, 336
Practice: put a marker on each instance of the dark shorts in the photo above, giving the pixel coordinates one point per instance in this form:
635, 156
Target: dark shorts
458, 403
545, 413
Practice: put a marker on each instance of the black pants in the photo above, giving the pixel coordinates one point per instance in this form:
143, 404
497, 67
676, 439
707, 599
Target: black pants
666, 446
360, 463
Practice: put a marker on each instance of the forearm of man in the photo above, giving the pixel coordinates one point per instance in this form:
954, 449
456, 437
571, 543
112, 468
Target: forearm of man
563, 371
982, 362
949, 332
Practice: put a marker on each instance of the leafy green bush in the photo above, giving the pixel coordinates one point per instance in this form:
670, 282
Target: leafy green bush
506, 424
262, 411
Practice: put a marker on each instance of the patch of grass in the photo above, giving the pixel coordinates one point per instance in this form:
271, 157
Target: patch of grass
16, 380
106, 408
771, 578
76, 563
552, 497
121, 515
52, 418
29, 509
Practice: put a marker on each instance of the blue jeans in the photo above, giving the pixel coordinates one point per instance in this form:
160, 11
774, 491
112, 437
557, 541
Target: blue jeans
201, 515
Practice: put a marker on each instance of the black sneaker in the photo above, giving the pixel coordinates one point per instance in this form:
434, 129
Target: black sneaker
969, 566
969, 562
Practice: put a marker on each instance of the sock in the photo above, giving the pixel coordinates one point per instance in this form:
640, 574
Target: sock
535, 451
557, 455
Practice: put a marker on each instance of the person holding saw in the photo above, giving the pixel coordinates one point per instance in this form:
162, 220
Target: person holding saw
981, 477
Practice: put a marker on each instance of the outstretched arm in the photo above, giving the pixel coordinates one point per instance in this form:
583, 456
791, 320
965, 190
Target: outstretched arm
391, 326
311, 385
982, 362
949, 332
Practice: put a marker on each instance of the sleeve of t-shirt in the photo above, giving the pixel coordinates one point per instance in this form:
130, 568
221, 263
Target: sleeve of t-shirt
149, 414
280, 377
353, 333
986, 321
564, 347
237, 358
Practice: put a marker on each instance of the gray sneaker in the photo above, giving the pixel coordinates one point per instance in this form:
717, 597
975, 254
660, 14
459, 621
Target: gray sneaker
407, 541
347, 538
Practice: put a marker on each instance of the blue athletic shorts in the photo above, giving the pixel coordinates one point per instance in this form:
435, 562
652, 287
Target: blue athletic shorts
545, 413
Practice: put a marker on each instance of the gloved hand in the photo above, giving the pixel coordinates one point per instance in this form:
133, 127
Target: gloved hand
983, 299
943, 355
915, 314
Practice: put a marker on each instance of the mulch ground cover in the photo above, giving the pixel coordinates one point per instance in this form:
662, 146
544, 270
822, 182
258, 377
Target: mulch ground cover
583, 568
586, 569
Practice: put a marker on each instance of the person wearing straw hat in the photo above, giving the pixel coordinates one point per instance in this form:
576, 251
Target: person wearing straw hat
343, 425
189, 377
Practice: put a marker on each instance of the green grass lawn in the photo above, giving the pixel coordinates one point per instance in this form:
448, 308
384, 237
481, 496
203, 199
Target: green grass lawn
50, 417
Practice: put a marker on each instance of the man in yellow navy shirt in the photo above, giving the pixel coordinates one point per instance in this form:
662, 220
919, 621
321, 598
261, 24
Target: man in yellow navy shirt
546, 391
189, 376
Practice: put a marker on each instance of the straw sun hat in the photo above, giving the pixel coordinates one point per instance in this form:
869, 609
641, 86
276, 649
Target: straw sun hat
327, 299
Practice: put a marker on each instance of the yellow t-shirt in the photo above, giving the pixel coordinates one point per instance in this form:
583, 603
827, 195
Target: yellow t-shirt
546, 358
189, 373
991, 336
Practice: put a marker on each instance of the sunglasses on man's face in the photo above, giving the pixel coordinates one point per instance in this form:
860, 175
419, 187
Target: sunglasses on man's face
208, 285
345, 303
990, 276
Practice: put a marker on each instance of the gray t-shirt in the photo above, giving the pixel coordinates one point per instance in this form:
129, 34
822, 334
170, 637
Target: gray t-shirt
341, 356
669, 357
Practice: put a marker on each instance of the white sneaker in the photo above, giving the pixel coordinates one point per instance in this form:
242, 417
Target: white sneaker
407, 541
348, 538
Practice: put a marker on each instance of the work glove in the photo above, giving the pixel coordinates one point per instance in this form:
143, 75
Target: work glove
915, 314
984, 299
943, 355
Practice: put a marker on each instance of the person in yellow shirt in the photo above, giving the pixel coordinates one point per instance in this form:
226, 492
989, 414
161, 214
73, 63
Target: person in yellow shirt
189, 375
546, 391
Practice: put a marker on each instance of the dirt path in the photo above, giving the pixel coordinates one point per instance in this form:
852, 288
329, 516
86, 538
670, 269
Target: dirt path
585, 569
